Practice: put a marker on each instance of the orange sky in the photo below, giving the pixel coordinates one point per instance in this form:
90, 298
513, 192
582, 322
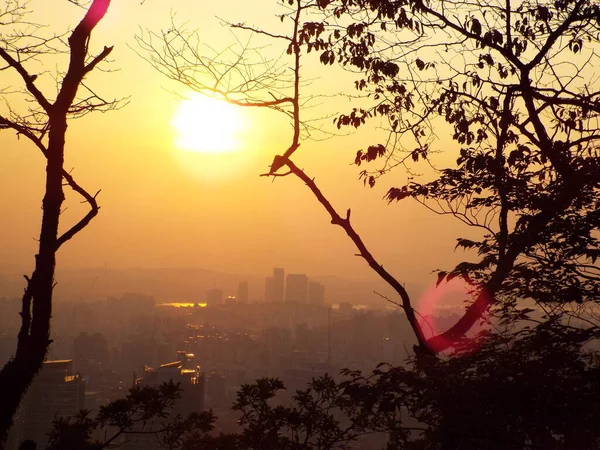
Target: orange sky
159, 206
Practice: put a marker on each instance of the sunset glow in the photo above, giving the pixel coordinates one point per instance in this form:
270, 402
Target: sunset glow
207, 125
299, 224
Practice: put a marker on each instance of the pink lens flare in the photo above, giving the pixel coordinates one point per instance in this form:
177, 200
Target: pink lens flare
442, 305
95, 14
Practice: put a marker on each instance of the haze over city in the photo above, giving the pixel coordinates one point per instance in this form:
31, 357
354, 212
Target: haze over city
299, 225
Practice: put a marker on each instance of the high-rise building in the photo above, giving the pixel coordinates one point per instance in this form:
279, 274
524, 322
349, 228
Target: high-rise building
278, 285
191, 381
316, 293
296, 288
242, 292
55, 392
185, 372
214, 297
269, 291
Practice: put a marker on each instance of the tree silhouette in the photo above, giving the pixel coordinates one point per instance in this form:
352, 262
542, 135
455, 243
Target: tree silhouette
144, 411
536, 390
525, 124
323, 416
45, 123
525, 129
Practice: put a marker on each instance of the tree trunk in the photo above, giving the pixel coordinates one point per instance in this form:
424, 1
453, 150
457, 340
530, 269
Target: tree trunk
34, 337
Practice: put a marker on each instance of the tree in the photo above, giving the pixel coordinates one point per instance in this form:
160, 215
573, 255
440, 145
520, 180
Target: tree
322, 416
45, 123
525, 122
537, 390
145, 410
527, 165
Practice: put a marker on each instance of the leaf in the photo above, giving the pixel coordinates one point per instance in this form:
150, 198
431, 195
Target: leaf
476, 27
441, 276
415, 155
397, 194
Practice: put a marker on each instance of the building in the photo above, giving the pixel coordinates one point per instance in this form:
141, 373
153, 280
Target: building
269, 290
90, 347
214, 297
316, 293
296, 288
55, 392
181, 371
242, 292
216, 391
136, 352
278, 285
192, 383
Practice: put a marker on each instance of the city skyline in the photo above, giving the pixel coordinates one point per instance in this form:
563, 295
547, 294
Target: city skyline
300, 224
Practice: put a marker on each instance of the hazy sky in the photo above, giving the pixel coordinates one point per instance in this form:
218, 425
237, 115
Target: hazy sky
164, 207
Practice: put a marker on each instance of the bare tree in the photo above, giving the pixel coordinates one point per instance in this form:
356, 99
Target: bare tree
527, 170
45, 123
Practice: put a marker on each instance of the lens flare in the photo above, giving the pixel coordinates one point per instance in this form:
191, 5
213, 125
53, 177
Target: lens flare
443, 304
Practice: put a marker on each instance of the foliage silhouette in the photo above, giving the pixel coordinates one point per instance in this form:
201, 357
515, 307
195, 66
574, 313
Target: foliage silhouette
539, 389
309, 423
146, 410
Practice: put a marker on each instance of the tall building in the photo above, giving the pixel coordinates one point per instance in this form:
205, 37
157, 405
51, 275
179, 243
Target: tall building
242, 292
192, 384
214, 297
278, 285
269, 291
316, 293
296, 288
183, 371
55, 392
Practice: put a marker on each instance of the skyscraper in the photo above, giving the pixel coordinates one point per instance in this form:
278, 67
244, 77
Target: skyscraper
242, 292
269, 291
316, 293
55, 392
191, 381
278, 285
296, 289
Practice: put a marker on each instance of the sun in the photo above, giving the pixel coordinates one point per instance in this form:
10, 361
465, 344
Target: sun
207, 125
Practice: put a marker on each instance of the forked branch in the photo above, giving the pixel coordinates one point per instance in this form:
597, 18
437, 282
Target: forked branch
344, 223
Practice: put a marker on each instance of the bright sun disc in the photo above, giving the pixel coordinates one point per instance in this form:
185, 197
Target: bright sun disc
207, 125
